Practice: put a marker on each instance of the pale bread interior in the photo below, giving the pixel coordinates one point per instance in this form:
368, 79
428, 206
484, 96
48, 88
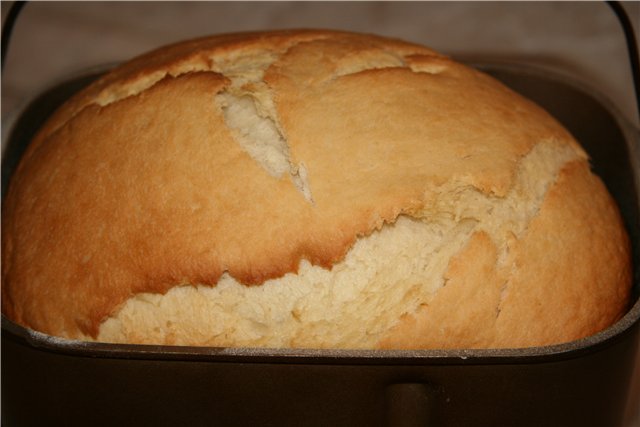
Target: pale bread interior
385, 275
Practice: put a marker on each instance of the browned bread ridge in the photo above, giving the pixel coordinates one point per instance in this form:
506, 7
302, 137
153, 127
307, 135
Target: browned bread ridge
309, 189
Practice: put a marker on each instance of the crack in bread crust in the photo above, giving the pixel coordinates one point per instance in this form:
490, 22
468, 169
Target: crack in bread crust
307, 309
225, 54
245, 69
249, 112
388, 274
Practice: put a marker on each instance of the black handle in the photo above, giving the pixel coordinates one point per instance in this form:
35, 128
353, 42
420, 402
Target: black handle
7, 27
632, 47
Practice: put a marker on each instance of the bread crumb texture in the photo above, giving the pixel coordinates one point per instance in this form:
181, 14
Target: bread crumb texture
309, 189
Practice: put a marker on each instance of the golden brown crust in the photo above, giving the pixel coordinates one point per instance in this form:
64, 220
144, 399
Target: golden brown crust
577, 239
139, 184
571, 265
472, 282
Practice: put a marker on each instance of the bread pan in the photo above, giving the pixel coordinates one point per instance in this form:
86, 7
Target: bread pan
51, 381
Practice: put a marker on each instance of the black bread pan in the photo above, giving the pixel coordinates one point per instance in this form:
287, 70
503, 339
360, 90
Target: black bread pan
48, 381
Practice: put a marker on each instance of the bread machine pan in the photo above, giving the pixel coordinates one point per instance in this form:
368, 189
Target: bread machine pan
51, 381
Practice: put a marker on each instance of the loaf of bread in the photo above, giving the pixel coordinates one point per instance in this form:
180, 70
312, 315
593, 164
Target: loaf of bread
314, 189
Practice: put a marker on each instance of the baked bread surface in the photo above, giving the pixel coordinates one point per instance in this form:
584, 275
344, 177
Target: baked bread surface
309, 189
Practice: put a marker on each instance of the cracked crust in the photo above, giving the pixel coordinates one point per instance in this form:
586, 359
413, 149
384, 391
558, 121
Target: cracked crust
140, 186
511, 306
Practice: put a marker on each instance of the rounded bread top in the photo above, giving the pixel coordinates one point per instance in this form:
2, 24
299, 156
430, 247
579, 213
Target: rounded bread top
246, 154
